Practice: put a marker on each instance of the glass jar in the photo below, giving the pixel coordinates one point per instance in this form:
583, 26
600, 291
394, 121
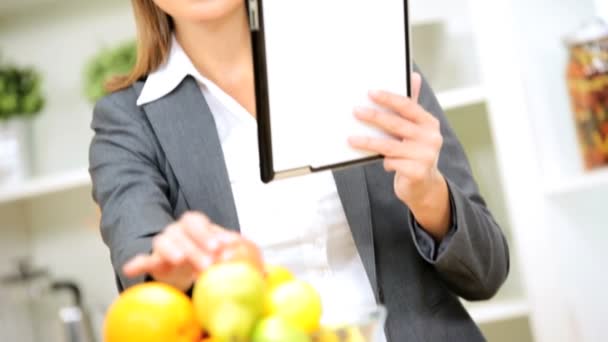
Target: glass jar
587, 77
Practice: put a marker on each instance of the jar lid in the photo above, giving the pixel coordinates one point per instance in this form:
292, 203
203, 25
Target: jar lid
593, 30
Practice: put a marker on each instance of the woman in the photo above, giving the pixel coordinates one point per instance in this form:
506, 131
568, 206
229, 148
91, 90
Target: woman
174, 161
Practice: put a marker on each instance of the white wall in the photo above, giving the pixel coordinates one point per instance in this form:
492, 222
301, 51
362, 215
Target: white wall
13, 246
13, 236
508, 331
58, 38
580, 236
602, 8
446, 53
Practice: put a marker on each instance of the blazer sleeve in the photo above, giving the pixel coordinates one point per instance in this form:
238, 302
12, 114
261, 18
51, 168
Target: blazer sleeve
474, 260
127, 183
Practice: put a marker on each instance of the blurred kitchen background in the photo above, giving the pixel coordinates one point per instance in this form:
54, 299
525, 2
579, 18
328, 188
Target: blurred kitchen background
499, 69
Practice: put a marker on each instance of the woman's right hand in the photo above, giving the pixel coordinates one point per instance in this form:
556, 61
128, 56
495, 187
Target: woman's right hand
182, 251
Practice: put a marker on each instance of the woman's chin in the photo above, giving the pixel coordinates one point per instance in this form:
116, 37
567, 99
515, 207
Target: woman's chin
212, 10
200, 10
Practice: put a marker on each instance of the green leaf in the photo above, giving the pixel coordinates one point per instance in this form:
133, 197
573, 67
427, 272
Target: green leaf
9, 104
20, 93
31, 104
107, 63
3, 84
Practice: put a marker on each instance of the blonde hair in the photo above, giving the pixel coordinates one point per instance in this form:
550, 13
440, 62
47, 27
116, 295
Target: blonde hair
154, 28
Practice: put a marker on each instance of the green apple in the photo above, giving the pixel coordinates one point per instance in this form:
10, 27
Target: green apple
298, 303
276, 329
229, 299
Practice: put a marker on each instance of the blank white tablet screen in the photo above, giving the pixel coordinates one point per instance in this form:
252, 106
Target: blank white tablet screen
323, 56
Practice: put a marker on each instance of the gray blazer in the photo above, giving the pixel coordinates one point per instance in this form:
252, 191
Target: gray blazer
149, 165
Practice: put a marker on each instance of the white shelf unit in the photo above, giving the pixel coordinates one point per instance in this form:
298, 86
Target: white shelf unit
426, 13
428, 19
499, 311
591, 181
42, 186
461, 97
602, 8
557, 211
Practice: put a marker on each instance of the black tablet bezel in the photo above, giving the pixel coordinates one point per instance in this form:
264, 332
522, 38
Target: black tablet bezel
255, 10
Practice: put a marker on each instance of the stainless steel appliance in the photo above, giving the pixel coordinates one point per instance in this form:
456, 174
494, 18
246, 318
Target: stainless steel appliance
36, 307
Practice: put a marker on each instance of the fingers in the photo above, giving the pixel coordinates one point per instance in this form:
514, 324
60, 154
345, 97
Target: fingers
199, 229
205, 234
385, 147
416, 84
142, 264
195, 256
168, 249
404, 106
388, 122
413, 170
136, 266
192, 242
390, 148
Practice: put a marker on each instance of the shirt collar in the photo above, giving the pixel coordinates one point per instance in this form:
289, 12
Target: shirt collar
169, 75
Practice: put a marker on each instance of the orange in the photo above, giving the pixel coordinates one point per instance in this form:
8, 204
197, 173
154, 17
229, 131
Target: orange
151, 312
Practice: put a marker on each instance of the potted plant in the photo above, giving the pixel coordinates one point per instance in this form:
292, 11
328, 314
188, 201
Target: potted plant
20, 99
107, 63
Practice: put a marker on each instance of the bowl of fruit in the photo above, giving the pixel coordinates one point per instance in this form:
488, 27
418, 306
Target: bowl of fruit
358, 324
238, 299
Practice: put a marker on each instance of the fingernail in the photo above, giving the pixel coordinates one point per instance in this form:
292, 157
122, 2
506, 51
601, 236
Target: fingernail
195, 219
213, 244
375, 93
205, 262
361, 112
176, 254
355, 140
190, 219
228, 238
127, 269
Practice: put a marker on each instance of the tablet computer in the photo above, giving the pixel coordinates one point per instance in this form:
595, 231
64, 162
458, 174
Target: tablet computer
314, 62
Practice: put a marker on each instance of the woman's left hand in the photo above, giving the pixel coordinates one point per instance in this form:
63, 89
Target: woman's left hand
413, 154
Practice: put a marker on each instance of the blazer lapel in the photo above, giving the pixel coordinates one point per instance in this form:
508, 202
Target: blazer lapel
186, 130
352, 188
